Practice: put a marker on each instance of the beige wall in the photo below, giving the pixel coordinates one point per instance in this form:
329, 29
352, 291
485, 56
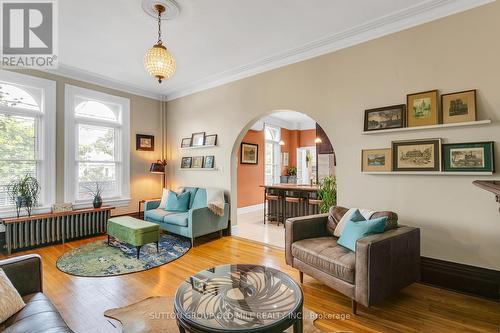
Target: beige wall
144, 119
459, 222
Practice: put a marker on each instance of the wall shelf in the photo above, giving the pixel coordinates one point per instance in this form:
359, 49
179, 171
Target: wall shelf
421, 128
198, 147
429, 173
198, 169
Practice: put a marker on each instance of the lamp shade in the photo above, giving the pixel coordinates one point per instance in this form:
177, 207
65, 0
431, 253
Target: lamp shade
157, 167
159, 62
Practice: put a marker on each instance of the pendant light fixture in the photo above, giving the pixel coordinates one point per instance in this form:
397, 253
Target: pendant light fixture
158, 61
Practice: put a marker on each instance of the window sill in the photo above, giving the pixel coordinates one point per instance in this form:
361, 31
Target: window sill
117, 202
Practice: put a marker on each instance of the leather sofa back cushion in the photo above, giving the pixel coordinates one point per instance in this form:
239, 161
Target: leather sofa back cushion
336, 213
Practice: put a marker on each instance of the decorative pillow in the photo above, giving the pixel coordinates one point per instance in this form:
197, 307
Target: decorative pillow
355, 230
334, 216
392, 219
163, 202
352, 214
177, 202
10, 300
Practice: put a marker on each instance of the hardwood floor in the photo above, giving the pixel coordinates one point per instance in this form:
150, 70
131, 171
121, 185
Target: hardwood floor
418, 308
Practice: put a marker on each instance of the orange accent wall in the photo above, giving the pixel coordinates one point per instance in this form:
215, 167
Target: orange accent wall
251, 176
295, 139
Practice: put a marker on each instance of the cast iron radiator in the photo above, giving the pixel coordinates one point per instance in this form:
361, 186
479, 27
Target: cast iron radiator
43, 229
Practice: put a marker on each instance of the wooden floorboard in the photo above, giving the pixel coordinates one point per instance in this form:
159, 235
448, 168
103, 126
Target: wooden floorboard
417, 308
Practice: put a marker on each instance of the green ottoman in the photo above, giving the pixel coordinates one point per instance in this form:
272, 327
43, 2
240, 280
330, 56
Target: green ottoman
133, 231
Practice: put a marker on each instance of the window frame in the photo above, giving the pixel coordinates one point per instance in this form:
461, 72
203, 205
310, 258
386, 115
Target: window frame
45, 133
122, 144
276, 153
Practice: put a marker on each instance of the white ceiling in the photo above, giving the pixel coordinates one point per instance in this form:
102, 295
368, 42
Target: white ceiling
218, 41
291, 120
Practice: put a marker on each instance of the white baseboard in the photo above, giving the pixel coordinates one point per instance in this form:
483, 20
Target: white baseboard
234, 230
249, 209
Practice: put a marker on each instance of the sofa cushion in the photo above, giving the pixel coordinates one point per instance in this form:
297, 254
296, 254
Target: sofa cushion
326, 255
39, 315
156, 214
334, 216
10, 301
392, 219
200, 199
192, 191
180, 219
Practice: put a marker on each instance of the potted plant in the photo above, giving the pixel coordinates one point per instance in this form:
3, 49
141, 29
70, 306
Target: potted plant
96, 193
24, 193
327, 193
292, 174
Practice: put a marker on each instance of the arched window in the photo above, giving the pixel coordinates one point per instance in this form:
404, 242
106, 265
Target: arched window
95, 110
14, 97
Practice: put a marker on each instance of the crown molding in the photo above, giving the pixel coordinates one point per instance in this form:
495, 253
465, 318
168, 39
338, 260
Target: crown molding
421, 13
101, 80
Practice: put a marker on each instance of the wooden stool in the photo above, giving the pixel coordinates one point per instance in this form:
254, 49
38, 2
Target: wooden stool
268, 211
314, 206
292, 207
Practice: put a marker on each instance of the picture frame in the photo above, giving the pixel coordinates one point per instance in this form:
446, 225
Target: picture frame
469, 157
211, 140
197, 162
144, 142
198, 139
376, 160
186, 162
387, 117
422, 109
284, 159
208, 162
459, 107
416, 155
249, 153
186, 143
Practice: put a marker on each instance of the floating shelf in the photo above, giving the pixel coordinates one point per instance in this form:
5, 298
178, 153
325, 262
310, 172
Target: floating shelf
197, 147
420, 128
198, 169
429, 173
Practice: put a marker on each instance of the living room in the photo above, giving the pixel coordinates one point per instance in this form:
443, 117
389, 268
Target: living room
121, 128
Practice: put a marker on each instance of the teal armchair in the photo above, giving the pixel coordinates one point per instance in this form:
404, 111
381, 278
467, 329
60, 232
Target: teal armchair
197, 221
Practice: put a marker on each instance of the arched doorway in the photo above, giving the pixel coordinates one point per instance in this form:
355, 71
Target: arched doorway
281, 147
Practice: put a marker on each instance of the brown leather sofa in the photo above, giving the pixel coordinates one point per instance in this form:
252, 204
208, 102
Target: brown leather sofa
39, 314
382, 264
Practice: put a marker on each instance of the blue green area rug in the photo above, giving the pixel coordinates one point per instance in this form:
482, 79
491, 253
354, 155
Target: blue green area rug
97, 259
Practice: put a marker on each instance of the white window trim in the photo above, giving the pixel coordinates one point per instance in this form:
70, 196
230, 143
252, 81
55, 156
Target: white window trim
70, 93
46, 139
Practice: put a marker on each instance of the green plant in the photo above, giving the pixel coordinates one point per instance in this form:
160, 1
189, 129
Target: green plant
24, 192
327, 193
292, 171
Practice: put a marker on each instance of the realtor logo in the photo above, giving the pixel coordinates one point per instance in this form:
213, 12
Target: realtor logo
28, 33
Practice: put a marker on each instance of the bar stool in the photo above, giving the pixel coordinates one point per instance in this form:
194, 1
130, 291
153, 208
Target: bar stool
293, 206
314, 206
272, 207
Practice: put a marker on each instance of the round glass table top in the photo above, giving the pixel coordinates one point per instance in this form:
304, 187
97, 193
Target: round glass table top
238, 298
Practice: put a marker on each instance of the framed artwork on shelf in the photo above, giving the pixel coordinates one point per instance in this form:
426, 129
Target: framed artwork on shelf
416, 155
186, 142
208, 162
186, 162
469, 157
373, 160
197, 162
423, 109
385, 118
249, 153
211, 140
459, 107
198, 139
144, 142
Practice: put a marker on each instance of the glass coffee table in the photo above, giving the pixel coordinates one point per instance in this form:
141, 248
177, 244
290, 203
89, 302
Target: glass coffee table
239, 298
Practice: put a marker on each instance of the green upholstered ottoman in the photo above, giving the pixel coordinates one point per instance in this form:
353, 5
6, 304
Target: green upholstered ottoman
133, 231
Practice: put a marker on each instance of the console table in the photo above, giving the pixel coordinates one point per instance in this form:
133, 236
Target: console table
43, 229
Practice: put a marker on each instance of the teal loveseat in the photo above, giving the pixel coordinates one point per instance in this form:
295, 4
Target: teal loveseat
197, 221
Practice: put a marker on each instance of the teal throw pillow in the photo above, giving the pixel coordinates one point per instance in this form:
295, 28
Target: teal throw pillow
177, 202
354, 230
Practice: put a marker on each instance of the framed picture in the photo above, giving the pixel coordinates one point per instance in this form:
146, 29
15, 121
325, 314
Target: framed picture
197, 162
284, 159
469, 157
144, 142
423, 109
198, 139
416, 155
186, 162
211, 140
373, 160
186, 142
385, 118
208, 162
249, 153
459, 107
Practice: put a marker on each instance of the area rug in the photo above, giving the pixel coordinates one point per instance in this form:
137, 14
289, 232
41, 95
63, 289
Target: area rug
97, 259
156, 314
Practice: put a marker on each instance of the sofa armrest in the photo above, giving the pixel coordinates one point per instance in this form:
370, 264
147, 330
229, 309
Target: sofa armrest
25, 273
303, 227
386, 263
151, 204
203, 221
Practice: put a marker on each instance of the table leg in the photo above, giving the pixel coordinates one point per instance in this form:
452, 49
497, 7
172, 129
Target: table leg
297, 326
181, 329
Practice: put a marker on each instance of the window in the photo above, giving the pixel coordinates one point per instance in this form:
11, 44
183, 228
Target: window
306, 165
272, 153
27, 137
97, 146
